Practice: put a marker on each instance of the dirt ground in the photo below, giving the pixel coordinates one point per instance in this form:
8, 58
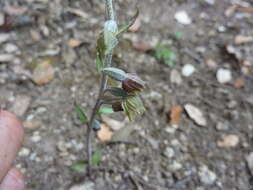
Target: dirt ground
155, 154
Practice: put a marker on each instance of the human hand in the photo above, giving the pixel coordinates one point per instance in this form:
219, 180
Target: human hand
11, 137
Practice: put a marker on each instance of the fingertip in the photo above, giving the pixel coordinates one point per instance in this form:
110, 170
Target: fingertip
14, 180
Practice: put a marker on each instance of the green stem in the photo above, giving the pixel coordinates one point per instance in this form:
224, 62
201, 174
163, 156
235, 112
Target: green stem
108, 61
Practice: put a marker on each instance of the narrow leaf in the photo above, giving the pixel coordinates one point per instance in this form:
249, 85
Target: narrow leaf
129, 24
101, 48
116, 91
79, 166
81, 115
99, 63
105, 110
114, 73
96, 158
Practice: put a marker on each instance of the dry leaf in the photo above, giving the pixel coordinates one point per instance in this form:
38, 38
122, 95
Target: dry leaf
136, 26
105, 133
74, 43
239, 83
175, 114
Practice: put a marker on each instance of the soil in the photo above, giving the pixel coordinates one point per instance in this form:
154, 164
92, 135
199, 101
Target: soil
154, 156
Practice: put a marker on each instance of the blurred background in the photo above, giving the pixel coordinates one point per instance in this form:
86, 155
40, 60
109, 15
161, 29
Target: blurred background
197, 58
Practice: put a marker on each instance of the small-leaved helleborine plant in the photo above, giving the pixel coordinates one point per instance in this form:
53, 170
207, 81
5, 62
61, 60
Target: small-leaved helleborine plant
125, 96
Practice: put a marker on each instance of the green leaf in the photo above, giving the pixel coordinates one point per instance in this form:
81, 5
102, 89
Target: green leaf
96, 125
96, 158
105, 110
114, 73
81, 115
95, 161
165, 55
129, 24
99, 63
101, 48
118, 92
79, 166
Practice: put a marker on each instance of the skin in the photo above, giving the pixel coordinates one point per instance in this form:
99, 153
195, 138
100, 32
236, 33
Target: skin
11, 137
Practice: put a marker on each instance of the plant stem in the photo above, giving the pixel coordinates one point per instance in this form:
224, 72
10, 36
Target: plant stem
108, 61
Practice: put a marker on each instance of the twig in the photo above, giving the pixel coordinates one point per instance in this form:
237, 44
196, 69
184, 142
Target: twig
122, 142
103, 85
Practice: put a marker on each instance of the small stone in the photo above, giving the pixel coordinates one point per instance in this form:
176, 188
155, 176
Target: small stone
176, 166
169, 152
175, 77
85, 186
249, 159
35, 35
4, 37
74, 43
36, 138
21, 105
171, 129
43, 72
24, 152
224, 76
222, 29
211, 63
210, 2
206, 176
222, 126
10, 48
228, 141
141, 45
183, 18
32, 124
250, 99
6, 57
195, 114
114, 124
188, 70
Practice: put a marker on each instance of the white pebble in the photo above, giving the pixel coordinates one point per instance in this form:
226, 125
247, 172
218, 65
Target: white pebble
206, 176
36, 138
10, 48
224, 76
188, 70
24, 152
183, 18
195, 114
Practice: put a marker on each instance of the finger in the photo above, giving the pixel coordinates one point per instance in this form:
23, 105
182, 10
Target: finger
14, 180
11, 137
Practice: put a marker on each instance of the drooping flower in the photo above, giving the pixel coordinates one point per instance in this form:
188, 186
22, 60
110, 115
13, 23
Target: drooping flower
133, 83
132, 106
